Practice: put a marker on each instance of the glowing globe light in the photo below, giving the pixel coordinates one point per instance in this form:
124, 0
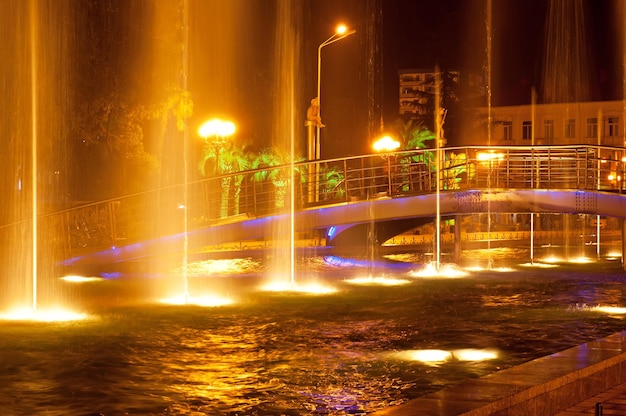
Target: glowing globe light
386, 144
216, 127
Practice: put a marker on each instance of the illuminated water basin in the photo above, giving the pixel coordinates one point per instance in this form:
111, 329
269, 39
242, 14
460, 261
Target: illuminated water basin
358, 349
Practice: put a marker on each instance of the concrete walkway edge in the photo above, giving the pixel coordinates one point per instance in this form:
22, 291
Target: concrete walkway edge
544, 386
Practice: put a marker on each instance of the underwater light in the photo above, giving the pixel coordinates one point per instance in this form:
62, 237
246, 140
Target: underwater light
539, 265
80, 279
42, 315
435, 356
380, 281
471, 354
284, 286
429, 356
581, 260
203, 300
552, 259
445, 270
615, 310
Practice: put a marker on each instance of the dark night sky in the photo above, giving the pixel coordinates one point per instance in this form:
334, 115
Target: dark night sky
450, 33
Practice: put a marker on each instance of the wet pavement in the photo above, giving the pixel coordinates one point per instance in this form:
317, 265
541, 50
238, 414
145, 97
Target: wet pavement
567, 383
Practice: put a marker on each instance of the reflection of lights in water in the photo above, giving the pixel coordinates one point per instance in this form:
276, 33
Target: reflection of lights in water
80, 279
377, 280
434, 356
205, 300
43, 315
445, 270
581, 260
284, 286
539, 265
230, 266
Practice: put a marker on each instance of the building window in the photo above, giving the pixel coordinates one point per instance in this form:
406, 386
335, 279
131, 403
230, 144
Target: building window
548, 129
570, 128
592, 127
527, 130
613, 126
507, 131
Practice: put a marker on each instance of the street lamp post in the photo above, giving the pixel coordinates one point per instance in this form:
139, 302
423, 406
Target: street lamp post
387, 145
220, 130
340, 33
314, 143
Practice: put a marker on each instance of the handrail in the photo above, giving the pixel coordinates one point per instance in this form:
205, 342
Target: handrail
264, 191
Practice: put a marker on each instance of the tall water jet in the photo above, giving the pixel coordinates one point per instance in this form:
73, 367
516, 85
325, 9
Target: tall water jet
286, 122
35, 76
566, 74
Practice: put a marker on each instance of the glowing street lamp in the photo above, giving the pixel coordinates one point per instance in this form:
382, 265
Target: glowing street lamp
341, 32
219, 130
387, 144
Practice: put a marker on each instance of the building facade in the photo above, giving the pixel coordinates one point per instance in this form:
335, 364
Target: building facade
594, 122
418, 89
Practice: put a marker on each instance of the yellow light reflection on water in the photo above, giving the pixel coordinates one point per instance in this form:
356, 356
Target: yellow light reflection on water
226, 266
203, 300
445, 270
42, 315
285, 286
377, 281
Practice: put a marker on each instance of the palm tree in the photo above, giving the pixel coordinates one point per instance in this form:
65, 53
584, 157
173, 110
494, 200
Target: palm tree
226, 159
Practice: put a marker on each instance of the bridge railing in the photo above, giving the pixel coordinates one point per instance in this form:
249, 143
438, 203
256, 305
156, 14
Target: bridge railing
267, 190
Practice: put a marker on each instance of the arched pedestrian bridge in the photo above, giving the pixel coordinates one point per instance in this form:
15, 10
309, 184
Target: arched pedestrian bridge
395, 191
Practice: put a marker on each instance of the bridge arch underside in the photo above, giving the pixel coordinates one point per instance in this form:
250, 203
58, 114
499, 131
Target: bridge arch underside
390, 216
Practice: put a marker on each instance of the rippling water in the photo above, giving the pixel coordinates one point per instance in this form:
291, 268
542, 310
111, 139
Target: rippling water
290, 353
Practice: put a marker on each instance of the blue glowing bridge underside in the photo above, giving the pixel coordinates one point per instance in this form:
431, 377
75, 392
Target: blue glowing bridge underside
340, 217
